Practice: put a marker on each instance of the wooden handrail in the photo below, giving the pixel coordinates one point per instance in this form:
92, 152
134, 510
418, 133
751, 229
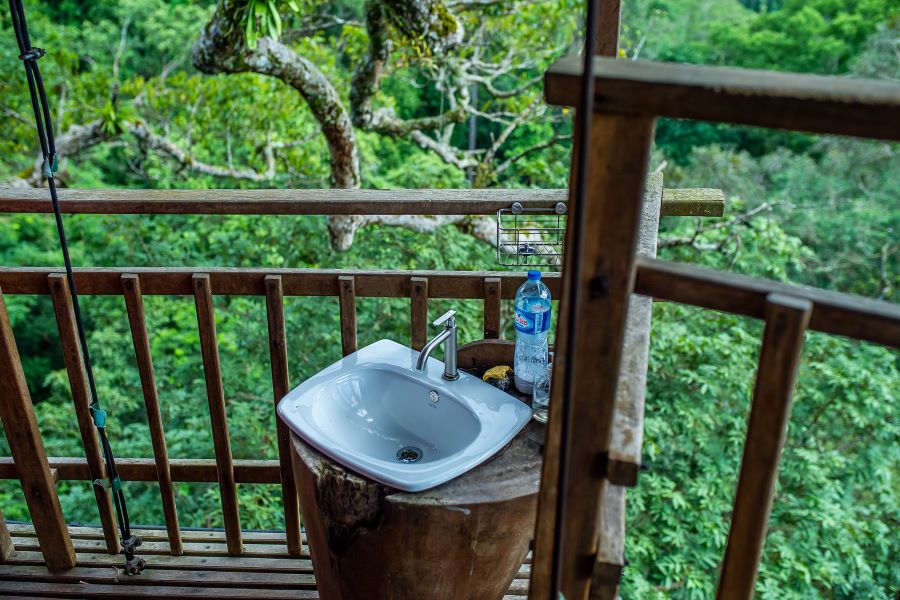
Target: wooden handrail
795, 101
676, 202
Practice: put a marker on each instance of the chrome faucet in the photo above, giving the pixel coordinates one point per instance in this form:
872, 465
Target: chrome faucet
448, 319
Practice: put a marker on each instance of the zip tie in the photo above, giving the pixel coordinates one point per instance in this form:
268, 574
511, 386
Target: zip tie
32, 54
117, 484
48, 168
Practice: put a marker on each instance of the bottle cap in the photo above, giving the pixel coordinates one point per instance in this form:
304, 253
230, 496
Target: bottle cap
534, 274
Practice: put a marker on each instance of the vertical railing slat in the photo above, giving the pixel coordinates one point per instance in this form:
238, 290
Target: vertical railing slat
71, 347
492, 308
29, 455
347, 293
786, 321
280, 388
216, 396
134, 303
418, 311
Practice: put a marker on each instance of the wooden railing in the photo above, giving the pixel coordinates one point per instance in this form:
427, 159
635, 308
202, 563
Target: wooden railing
629, 96
40, 473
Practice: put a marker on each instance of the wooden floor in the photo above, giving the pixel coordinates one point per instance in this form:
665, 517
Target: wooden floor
204, 571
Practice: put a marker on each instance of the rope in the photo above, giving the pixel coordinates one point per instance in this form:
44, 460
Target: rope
29, 57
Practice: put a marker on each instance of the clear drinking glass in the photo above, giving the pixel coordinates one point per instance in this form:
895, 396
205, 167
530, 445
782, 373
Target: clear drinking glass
540, 396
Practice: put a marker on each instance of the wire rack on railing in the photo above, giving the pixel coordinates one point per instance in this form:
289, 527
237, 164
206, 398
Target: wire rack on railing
531, 237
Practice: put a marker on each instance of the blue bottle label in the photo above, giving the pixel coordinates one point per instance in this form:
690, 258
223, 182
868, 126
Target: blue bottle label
532, 322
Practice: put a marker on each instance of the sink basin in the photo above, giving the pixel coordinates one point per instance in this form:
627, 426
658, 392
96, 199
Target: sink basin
374, 413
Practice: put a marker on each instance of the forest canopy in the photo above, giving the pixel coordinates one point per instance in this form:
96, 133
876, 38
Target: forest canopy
448, 94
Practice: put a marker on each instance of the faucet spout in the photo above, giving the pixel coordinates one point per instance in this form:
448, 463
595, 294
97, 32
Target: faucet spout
448, 338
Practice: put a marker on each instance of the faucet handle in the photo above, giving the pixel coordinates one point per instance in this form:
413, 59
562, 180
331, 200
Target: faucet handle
447, 317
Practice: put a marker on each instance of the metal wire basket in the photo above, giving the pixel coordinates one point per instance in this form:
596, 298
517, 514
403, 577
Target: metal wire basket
531, 237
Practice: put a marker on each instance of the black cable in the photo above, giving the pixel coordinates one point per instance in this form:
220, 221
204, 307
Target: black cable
585, 115
29, 57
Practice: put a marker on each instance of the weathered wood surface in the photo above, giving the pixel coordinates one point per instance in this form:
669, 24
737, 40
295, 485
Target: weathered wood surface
465, 539
6, 544
835, 313
308, 202
134, 304
225, 281
602, 288
347, 295
492, 295
779, 358
81, 399
280, 387
418, 312
800, 102
27, 449
209, 348
627, 436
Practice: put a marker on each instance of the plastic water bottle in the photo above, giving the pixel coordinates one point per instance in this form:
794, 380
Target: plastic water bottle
532, 324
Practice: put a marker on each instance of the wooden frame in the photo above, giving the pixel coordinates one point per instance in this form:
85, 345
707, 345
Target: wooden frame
637, 93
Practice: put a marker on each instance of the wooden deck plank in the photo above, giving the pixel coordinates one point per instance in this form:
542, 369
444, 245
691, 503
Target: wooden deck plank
35, 589
209, 347
280, 387
134, 304
190, 549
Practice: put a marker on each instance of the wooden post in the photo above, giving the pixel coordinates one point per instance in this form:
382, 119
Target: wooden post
786, 321
347, 293
78, 382
492, 308
134, 303
280, 387
27, 449
608, 17
216, 396
619, 151
418, 311
6, 544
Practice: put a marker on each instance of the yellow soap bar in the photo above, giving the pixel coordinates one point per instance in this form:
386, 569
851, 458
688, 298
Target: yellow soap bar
500, 377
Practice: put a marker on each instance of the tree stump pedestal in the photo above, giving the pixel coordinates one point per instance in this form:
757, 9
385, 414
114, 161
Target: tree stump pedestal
465, 539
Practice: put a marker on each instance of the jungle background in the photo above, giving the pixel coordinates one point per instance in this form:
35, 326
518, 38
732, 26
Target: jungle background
310, 93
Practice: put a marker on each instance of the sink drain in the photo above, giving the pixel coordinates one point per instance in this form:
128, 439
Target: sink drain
409, 454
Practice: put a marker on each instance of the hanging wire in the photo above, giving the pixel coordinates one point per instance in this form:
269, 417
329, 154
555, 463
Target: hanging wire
585, 117
29, 57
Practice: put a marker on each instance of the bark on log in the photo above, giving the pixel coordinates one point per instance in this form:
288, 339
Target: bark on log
465, 539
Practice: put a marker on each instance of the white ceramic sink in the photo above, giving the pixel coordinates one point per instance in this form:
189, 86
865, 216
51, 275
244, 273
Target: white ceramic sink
373, 412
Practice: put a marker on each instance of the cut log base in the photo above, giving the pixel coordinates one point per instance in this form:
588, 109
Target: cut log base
465, 539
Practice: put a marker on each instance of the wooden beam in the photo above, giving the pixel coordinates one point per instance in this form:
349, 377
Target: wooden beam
603, 285
287, 202
794, 101
134, 304
6, 543
418, 311
786, 322
693, 202
81, 399
177, 281
194, 470
835, 313
347, 294
28, 454
492, 287
608, 16
280, 387
209, 347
